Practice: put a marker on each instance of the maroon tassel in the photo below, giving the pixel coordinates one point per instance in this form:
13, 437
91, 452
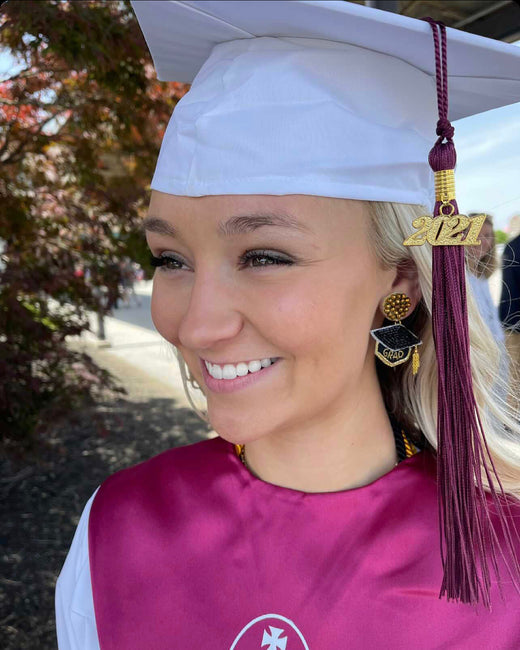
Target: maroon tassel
468, 538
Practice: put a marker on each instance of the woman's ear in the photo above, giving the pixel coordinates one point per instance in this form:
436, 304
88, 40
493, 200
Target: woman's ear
406, 281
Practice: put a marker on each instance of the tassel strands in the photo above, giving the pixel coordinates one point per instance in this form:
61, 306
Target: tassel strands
468, 539
416, 362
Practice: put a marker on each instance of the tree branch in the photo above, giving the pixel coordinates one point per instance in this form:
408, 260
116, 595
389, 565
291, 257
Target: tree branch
18, 152
33, 71
14, 155
23, 102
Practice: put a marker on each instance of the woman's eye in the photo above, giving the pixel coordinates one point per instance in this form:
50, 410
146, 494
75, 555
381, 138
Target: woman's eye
167, 262
250, 259
264, 258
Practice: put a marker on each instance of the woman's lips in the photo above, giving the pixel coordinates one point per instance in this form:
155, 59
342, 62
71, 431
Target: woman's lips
231, 385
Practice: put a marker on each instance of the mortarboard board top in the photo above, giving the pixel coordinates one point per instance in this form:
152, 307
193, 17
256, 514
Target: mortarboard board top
483, 73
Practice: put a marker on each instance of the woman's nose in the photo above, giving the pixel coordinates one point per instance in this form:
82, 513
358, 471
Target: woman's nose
212, 314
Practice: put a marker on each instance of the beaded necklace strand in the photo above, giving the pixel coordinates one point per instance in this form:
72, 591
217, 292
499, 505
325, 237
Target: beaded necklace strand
404, 447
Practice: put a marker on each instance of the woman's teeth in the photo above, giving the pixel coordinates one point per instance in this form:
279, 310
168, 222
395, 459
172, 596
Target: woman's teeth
231, 371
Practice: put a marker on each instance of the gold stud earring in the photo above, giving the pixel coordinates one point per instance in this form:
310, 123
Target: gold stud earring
396, 306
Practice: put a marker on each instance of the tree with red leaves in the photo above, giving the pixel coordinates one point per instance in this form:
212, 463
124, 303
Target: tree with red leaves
81, 120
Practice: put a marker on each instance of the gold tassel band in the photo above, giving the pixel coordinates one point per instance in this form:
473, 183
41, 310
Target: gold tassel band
445, 185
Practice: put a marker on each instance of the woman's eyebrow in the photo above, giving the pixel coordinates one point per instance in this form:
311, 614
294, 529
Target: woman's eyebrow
160, 226
241, 224
237, 225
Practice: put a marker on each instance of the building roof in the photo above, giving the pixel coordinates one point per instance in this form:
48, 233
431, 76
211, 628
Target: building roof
499, 19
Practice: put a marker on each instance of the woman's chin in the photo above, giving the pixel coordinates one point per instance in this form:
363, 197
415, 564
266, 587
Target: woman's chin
238, 429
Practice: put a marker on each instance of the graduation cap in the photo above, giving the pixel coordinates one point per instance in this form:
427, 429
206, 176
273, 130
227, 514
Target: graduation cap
340, 100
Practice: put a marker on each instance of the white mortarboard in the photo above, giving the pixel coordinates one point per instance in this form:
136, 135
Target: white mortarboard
311, 97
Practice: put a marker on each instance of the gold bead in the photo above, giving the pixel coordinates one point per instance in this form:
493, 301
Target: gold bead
396, 306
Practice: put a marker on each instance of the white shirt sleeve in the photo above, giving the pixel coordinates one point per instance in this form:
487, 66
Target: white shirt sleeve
75, 619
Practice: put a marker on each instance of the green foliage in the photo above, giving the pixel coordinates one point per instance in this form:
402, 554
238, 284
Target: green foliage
80, 129
501, 237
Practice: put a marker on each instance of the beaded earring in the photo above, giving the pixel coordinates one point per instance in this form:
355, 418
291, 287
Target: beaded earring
394, 343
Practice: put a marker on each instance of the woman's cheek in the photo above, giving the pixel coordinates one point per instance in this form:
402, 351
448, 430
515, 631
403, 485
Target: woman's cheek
310, 305
166, 311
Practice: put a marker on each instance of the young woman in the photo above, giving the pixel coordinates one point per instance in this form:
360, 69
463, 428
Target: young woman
287, 182
482, 263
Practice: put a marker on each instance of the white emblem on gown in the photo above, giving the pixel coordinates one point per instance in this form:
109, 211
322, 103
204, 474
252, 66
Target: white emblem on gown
273, 638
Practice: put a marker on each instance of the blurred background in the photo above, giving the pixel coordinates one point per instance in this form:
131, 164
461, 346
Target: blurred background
87, 385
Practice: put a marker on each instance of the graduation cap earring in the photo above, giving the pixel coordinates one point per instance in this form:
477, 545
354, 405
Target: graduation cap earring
394, 343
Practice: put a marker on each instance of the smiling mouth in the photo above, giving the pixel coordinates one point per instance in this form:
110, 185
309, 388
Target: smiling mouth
231, 371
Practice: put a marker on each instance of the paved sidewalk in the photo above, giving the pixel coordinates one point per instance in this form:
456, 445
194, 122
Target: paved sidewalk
132, 337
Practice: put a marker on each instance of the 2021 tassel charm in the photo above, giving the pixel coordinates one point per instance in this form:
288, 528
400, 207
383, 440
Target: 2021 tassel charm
446, 227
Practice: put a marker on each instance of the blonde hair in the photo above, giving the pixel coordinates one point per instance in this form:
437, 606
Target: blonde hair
487, 264
412, 401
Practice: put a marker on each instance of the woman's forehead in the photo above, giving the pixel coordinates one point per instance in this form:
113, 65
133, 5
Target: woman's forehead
238, 214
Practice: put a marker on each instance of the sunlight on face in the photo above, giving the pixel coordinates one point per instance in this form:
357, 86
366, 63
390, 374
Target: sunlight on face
254, 277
